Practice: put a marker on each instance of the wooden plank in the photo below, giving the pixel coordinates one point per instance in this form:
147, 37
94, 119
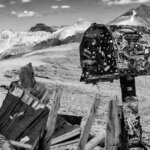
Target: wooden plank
30, 100
25, 97
20, 145
88, 125
66, 136
52, 119
35, 145
17, 91
65, 145
96, 141
27, 76
113, 128
44, 96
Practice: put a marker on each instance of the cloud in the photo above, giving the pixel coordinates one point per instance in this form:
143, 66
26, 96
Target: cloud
2, 6
24, 14
12, 2
65, 6
26, 1
54, 7
123, 2
13, 13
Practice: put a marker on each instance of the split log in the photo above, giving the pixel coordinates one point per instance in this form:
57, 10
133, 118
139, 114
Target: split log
50, 127
69, 145
20, 145
88, 125
113, 128
27, 76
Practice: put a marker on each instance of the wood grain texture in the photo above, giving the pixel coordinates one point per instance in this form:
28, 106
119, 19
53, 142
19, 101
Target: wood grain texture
88, 125
113, 128
50, 127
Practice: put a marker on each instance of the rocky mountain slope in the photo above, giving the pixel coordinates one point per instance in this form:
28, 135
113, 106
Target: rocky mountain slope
14, 43
72, 30
135, 16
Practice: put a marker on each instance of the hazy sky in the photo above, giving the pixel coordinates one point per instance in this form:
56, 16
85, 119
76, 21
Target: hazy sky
22, 14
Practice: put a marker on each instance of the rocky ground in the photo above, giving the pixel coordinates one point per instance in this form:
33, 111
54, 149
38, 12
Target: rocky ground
61, 66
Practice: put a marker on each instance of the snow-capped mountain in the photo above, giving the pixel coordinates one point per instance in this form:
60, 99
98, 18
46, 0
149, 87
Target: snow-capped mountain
136, 16
13, 42
67, 31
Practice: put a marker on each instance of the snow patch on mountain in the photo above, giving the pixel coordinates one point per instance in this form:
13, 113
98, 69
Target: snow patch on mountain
10, 39
137, 17
13, 43
71, 30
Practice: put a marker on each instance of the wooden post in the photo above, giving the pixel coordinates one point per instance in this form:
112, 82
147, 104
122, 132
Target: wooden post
27, 76
20, 145
113, 128
50, 127
127, 84
88, 125
130, 104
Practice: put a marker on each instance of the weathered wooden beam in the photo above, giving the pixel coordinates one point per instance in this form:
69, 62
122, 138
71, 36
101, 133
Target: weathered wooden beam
27, 76
99, 140
20, 145
113, 128
50, 127
66, 136
88, 125
70, 145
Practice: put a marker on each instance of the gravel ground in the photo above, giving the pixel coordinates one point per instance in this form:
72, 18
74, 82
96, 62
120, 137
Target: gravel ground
61, 66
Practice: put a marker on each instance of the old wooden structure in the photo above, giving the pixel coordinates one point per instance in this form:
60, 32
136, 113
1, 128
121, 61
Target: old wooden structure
29, 118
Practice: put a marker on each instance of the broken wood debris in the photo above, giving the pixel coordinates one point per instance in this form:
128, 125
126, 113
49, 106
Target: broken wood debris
35, 97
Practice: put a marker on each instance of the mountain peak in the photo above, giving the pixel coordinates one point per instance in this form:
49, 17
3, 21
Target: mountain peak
135, 16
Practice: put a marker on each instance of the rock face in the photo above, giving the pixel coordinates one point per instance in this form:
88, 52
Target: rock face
41, 27
55, 42
135, 16
47, 43
16, 43
72, 39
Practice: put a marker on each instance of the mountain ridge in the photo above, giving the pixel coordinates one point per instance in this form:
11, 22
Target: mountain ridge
135, 16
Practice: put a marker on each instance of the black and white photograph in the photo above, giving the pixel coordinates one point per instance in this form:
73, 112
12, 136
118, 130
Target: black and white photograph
74, 74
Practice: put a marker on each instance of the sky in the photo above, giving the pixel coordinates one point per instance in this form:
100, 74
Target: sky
20, 15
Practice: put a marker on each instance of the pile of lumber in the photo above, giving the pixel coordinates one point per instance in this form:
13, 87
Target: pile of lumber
29, 118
